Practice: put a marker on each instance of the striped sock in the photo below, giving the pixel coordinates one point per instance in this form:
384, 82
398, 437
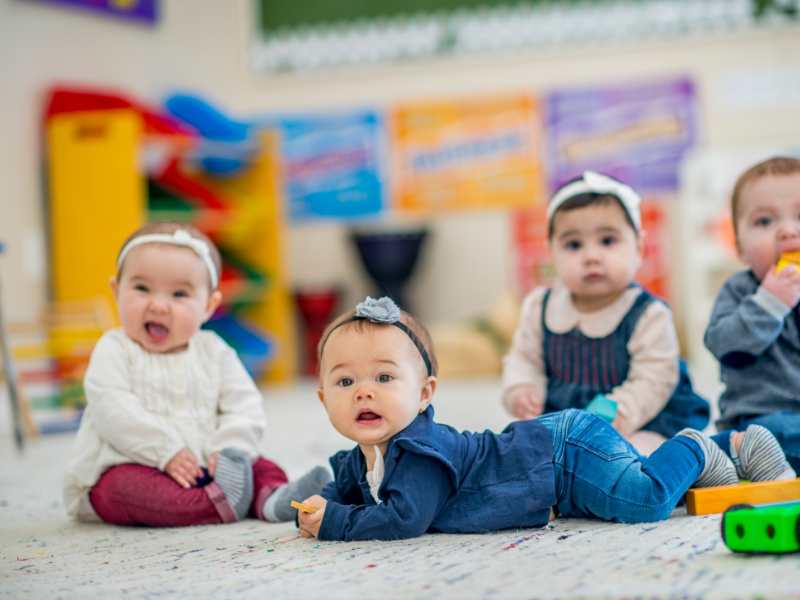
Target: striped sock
234, 475
719, 469
761, 457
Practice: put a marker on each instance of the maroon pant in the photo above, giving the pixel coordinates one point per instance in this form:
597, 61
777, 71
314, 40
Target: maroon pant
132, 494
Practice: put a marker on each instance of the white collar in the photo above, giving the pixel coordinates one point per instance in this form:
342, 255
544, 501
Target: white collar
562, 316
375, 476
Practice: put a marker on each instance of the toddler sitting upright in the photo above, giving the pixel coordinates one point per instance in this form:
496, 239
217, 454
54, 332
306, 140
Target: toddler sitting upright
596, 332
754, 330
173, 422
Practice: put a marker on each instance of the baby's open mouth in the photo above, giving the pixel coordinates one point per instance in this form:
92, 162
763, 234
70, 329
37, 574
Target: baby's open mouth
368, 415
156, 331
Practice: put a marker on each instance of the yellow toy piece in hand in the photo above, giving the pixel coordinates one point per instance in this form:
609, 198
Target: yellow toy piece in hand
789, 258
307, 508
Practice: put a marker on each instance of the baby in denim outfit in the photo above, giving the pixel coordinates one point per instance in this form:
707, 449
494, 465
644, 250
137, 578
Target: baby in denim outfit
409, 475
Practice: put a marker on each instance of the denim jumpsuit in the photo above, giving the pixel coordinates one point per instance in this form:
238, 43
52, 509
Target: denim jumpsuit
437, 479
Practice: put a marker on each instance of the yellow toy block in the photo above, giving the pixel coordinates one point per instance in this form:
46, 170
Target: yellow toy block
307, 508
712, 500
97, 197
789, 258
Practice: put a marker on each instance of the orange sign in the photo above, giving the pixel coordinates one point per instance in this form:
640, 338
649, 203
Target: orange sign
467, 154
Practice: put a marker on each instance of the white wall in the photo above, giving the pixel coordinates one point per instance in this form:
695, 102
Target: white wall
749, 86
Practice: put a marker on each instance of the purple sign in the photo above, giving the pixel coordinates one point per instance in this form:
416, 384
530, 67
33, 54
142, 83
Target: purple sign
638, 132
145, 11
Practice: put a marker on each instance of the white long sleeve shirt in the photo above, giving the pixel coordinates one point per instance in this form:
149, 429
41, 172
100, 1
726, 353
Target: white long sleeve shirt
653, 348
144, 407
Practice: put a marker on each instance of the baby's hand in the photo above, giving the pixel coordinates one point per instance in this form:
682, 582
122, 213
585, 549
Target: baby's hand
183, 468
785, 286
310, 522
525, 402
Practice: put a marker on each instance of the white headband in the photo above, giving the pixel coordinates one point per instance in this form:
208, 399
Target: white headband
598, 183
181, 237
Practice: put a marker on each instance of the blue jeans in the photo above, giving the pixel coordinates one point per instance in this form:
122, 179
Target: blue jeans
785, 426
598, 474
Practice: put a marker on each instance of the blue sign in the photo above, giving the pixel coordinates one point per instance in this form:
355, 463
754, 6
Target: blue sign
332, 165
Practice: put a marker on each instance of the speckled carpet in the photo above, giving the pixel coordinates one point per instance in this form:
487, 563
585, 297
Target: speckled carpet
45, 555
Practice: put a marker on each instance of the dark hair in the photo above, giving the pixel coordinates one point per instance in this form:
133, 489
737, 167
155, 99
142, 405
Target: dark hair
170, 227
777, 165
587, 199
345, 320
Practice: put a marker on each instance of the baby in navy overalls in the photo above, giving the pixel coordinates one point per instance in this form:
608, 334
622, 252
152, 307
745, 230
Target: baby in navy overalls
409, 475
596, 331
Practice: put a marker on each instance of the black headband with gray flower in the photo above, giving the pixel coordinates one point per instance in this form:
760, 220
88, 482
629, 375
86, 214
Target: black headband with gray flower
383, 311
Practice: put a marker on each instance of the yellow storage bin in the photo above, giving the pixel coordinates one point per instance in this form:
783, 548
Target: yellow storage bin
97, 197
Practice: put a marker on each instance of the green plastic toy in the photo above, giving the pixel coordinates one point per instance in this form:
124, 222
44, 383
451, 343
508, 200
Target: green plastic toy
603, 406
769, 528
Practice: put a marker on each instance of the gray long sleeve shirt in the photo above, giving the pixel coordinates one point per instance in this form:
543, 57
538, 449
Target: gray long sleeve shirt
756, 339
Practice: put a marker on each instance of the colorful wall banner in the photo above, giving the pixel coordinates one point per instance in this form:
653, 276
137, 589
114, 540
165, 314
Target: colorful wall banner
332, 165
655, 272
466, 154
637, 132
529, 234
145, 11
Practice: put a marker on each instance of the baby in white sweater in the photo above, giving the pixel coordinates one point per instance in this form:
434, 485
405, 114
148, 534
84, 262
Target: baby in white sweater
173, 421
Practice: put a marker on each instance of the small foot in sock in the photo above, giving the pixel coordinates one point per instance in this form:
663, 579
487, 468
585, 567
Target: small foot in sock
719, 469
760, 455
234, 474
277, 506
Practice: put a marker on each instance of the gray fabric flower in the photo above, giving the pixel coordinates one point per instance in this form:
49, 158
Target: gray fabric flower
382, 310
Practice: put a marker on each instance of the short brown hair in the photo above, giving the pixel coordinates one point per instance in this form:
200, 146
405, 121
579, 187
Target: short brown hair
344, 320
170, 227
777, 165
